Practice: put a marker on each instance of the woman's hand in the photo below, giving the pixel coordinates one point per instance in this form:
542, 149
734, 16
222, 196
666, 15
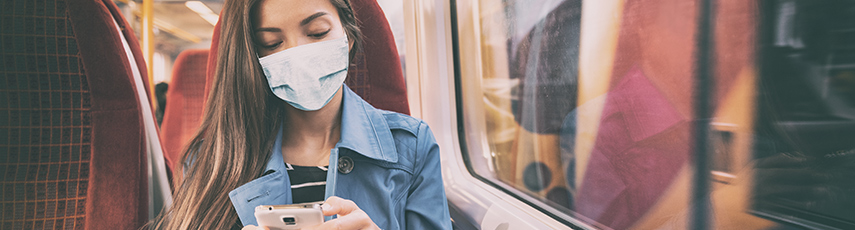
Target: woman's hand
253, 227
350, 217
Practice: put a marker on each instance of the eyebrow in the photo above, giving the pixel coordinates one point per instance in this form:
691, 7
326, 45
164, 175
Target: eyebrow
267, 29
313, 17
305, 21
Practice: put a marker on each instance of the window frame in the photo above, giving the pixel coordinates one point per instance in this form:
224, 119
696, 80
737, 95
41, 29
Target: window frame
701, 183
464, 149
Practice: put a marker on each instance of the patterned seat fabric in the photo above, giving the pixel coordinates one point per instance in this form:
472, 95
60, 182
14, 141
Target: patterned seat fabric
376, 74
71, 151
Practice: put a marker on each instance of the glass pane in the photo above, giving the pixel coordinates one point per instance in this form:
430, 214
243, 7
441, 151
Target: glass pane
802, 169
521, 39
587, 106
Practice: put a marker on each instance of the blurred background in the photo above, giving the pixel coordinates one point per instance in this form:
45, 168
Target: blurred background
188, 25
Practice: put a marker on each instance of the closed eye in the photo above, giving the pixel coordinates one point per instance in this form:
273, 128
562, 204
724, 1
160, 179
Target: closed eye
271, 46
319, 35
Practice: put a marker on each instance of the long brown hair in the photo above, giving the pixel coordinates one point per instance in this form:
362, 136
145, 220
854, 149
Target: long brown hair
239, 124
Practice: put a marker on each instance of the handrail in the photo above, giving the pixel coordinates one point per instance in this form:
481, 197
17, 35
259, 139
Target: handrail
148, 44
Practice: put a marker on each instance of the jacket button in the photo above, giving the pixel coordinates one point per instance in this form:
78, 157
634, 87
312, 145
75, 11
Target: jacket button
345, 164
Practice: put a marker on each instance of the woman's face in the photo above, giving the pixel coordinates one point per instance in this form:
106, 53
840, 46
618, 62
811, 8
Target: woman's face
283, 24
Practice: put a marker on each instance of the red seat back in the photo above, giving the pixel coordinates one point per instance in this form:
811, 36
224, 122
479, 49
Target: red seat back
72, 146
183, 112
376, 75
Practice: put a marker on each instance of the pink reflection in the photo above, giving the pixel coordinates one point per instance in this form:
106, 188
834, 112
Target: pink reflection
642, 143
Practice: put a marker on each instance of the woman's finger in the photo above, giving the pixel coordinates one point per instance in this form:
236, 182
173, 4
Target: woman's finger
355, 220
349, 215
253, 227
338, 206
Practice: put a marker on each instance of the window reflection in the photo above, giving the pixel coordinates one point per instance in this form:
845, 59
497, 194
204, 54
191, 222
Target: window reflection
805, 151
588, 106
529, 94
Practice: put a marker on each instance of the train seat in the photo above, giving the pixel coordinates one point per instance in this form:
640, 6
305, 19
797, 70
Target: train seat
376, 75
77, 127
183, 113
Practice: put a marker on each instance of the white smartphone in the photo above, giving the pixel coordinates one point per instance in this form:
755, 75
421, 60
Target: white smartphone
291, 216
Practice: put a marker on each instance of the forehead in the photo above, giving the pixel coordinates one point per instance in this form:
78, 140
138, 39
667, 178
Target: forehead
289, 12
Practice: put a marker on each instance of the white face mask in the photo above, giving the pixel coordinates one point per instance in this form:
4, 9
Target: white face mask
307, 76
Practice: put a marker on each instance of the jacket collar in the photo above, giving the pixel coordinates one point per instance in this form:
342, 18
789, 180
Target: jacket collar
364, 129
276, 162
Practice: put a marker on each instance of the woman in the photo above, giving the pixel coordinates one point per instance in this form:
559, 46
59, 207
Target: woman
277, 103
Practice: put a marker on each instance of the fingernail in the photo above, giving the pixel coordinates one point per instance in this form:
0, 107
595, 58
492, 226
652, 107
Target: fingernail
326, 207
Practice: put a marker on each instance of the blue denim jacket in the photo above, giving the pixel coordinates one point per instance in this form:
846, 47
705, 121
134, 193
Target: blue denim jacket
395, 179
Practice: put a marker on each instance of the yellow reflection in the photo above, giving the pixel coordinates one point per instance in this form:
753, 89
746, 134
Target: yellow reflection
203, 11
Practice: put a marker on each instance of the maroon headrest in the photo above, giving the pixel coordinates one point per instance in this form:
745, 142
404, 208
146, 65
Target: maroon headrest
376, 75
77, 152
184, 101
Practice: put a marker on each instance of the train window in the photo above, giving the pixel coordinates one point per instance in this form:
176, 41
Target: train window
590, 108
805, 131
523, 119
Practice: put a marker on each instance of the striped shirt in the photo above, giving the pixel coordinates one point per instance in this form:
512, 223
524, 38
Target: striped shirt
307, 182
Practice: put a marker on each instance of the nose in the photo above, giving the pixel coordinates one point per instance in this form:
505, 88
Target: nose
296, 41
